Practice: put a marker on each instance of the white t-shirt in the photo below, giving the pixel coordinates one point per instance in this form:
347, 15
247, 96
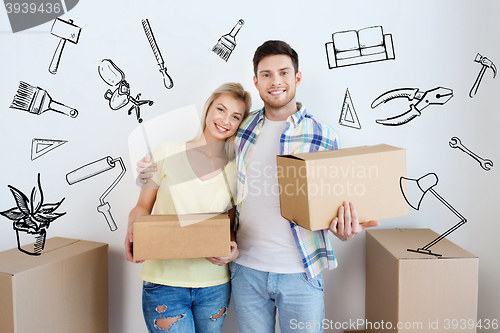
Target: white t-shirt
265, 239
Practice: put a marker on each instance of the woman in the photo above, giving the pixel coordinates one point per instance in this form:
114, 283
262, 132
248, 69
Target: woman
192, 295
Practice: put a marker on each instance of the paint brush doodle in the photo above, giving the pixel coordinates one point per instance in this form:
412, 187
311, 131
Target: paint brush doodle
348, 116
35, 100
93, 169
486, 63
41, 147
227, 43
436, 96
31, 218
486, 164
66, 31
120, 97
167, 80
354, 47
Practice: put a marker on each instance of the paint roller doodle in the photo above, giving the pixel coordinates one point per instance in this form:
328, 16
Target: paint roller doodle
67, 31
167, 80
96, 168
114, 76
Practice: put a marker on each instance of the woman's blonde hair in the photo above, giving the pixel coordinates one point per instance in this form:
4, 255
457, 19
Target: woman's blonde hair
237, 91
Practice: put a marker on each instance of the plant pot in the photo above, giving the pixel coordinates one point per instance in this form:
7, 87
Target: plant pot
31, 243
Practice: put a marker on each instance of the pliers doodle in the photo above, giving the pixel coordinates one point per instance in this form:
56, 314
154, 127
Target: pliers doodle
436, 96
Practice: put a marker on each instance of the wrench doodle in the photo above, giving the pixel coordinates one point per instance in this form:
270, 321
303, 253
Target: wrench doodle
485, 163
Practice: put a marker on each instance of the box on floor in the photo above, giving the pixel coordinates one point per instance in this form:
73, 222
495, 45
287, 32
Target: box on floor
65, 289
313, 185
418, 292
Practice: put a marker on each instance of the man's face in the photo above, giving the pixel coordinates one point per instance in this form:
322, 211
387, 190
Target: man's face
276, 81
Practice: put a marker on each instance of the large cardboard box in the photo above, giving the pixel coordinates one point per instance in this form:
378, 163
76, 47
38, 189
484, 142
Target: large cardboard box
413, 292
163, 237
314, 185
65, 289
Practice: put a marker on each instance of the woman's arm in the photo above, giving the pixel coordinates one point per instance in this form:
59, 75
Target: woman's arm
144, 206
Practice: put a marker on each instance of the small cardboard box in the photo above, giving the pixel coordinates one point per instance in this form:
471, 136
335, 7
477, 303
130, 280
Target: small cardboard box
418, 292
314, 185
65, 289
163, 237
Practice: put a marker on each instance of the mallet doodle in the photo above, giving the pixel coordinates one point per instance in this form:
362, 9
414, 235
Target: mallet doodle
66, 31
114, 76
436, 96
31, 218
93, 169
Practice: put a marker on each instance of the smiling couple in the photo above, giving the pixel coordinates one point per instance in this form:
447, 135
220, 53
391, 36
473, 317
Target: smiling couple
275, 264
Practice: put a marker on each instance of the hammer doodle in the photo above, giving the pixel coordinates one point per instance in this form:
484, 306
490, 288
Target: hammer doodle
354, 47
167, 80
66, 31
486, 63
226, 44
436, 96
486, 164
31, 218
113, 76
36, 100
41, 147
93, 169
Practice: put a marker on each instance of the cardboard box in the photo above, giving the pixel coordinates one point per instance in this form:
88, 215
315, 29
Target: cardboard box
423, 293
163, 237
314, 185
65, 289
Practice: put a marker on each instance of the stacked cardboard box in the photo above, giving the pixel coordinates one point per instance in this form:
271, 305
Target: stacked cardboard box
65, 289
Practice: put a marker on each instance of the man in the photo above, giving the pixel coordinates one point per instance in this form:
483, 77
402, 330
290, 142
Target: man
280, 263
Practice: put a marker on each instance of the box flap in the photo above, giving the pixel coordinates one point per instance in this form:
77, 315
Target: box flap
345, 152
192, 218
398, 241
14, 261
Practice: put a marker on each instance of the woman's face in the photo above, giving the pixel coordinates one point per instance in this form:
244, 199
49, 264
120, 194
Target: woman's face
223, 118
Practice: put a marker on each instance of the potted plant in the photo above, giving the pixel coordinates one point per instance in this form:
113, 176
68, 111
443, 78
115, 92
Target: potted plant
31, 217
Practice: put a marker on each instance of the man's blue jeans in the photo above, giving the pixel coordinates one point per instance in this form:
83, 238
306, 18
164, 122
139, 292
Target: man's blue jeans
185, 310
257, 295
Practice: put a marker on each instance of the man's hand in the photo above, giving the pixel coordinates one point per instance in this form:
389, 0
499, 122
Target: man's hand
221, 261
145, 168
346, 225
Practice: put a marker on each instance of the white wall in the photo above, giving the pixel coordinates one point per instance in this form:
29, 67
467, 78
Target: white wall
435, 44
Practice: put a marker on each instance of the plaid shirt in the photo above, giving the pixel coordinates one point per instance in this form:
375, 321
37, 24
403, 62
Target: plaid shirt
303, 133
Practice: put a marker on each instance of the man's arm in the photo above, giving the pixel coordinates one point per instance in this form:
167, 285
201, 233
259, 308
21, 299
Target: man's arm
346, 225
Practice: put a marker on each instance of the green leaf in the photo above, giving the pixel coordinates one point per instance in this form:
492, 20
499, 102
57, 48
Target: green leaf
21, 200
13, 214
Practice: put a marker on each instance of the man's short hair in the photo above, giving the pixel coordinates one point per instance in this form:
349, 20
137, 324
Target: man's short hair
275, 47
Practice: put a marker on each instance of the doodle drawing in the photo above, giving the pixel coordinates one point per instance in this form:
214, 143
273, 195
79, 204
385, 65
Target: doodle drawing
31, 218
354, 47
167, 80
418, 188
36, 100
486, 63
348, 116
67, 31
41, 147
112, 75
485, 163
227, 43
436, 96
93, 169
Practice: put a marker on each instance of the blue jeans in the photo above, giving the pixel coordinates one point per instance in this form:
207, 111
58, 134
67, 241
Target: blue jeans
185, 310
257, 295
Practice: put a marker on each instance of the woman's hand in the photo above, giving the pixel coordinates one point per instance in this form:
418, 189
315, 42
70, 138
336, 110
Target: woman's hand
145, 168
221, 261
